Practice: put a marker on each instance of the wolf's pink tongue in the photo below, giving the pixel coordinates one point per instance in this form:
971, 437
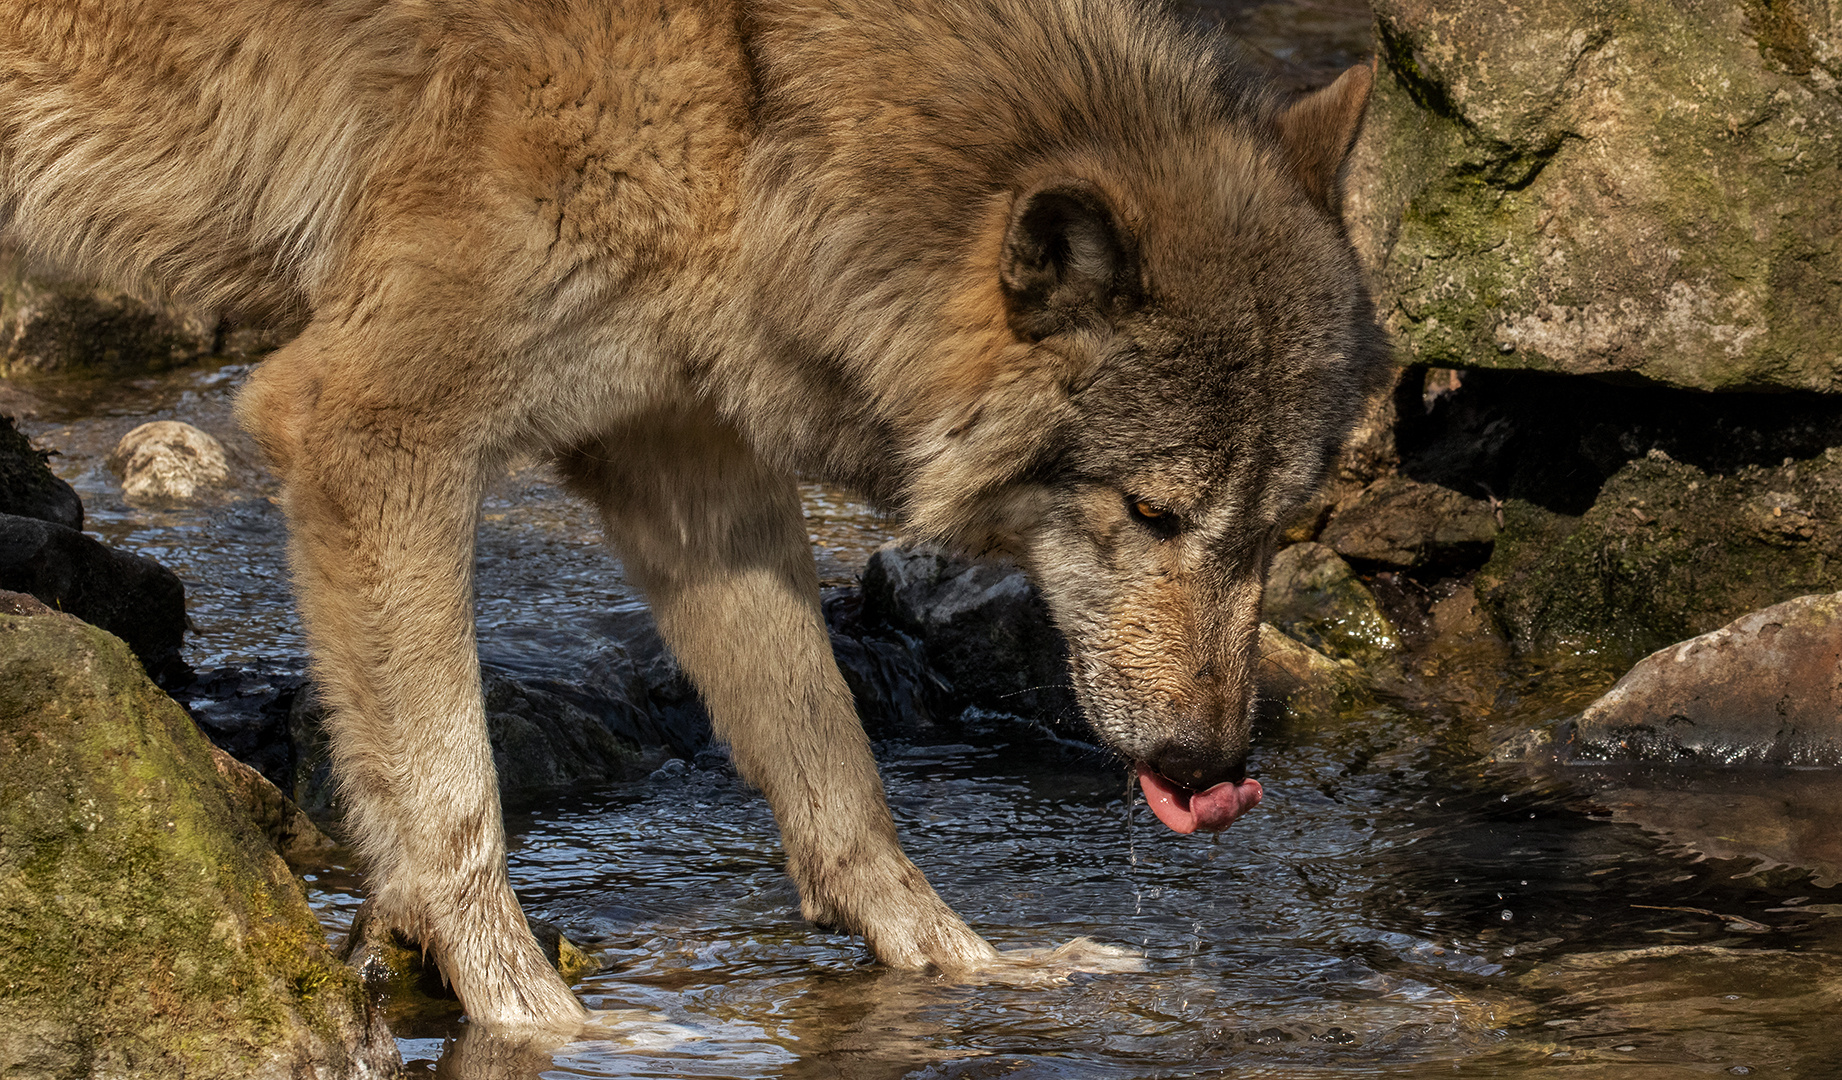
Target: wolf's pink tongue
1185, 811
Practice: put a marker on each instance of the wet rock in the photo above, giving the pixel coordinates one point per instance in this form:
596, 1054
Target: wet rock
635, 687
245, 712
1313, 595
1407, 525
1665, 553
1763, 690
983, 628
130, 596
28, 487
290, 831
1645, 187
1300, 681
166, 462
542, 745
50, 323
147, 928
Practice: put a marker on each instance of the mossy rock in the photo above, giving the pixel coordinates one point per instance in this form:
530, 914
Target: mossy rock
1666, 553
1642, 187
1314, 596
146, 927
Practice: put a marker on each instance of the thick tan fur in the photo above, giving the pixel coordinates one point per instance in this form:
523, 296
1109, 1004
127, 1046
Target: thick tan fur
1011, 268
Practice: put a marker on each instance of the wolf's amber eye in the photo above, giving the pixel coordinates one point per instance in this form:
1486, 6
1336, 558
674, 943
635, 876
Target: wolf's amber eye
1158, 519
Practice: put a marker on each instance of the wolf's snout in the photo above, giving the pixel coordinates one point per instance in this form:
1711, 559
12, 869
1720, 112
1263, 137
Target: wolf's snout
1198, 771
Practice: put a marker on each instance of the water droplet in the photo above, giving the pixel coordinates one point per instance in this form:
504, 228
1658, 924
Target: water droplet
1507, 915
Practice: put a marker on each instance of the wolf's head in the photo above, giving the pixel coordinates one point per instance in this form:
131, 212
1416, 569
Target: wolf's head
1093, 293
1198, 352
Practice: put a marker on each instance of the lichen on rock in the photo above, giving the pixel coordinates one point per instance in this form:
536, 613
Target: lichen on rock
1643, 186
146, 927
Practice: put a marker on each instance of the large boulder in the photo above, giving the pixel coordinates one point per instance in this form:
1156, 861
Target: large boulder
1765, 689
1643, 187
130, 596
146, 927
28, 487
1667, 552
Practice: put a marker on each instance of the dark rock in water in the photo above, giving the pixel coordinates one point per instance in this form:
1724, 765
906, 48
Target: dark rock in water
130, 596
147, 928
245, 711
1667, 552
28, 487
635, 688
542, 745
898, 695
1763, 690
982, 627
56, 324
1314, 596
1406, 525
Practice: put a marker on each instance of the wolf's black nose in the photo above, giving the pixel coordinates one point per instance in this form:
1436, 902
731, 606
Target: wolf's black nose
1197, 771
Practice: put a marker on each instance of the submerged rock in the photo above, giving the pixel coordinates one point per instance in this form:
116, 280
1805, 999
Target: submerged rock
1315, 596
130, 596
1641, 186
169, 462
1667, 552
1764, 690
147, 928
28, 487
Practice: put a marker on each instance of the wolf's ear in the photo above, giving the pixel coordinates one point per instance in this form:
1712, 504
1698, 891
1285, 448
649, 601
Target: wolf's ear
1319, 130
1066, 262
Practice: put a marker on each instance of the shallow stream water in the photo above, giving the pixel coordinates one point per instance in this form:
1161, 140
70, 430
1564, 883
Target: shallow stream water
1391, 910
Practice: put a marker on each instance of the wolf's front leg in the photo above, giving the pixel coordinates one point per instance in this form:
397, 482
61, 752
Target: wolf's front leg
717, 540
381, 503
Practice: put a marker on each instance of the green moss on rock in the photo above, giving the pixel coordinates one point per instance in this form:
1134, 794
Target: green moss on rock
1636, 186
146, 928
1666, 553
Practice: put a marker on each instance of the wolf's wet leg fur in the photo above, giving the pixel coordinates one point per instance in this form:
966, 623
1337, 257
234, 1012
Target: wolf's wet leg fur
383, 507
718, 541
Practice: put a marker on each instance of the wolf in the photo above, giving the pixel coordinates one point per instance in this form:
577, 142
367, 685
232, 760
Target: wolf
1051, 279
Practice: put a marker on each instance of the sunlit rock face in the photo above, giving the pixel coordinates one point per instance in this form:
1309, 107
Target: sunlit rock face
1646, 187
1761, 690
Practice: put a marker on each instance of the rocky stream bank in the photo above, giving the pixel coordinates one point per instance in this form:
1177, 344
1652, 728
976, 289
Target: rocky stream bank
1584, 560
